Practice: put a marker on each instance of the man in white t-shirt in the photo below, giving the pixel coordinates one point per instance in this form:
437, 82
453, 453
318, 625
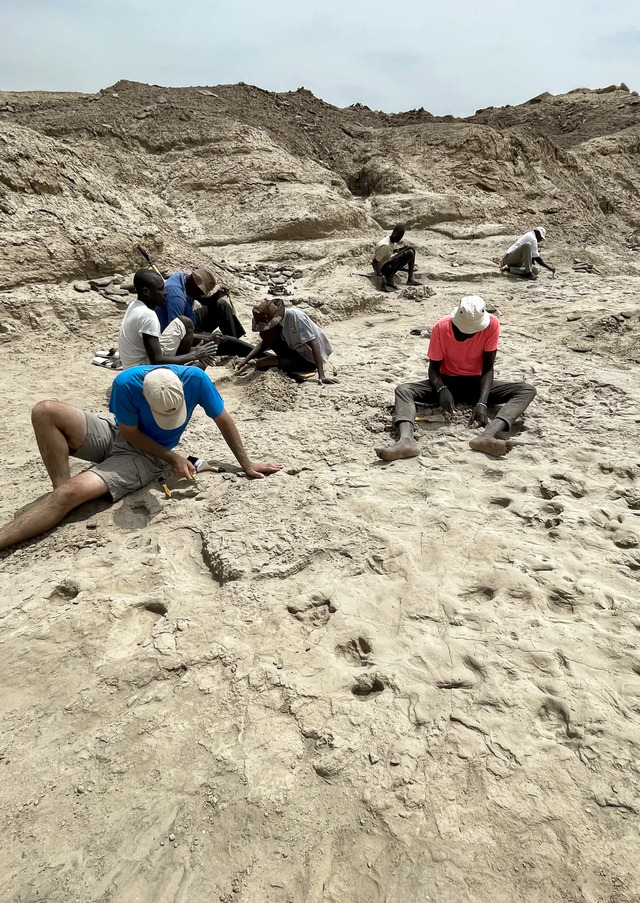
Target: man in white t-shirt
141, 340
524, 253
389, 257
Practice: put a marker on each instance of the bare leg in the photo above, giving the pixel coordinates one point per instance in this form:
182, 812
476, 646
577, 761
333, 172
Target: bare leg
186, 344
489, 441
412, 263
47, 513
405, 447
59, 428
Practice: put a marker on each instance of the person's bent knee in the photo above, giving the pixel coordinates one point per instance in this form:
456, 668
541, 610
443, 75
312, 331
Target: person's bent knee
529, 389
187, 322
43, 411
404, 392
67, 497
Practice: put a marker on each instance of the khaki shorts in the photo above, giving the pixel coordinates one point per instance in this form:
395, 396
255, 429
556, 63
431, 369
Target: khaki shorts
122, 467
172, 336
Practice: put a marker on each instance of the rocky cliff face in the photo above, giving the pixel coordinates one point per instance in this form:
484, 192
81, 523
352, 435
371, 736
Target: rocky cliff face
84, 178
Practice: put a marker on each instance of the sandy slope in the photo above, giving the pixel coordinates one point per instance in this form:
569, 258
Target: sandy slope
351, 681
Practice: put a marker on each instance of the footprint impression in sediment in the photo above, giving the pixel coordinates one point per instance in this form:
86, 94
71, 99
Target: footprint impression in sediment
136, 511
555, 713
368, 686
133, 626
472, 675
312, 609
356, 651
65, 591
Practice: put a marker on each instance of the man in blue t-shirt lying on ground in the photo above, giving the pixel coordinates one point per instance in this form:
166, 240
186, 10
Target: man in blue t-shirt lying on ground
150, 409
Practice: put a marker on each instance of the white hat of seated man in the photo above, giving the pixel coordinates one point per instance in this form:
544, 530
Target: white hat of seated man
470, 315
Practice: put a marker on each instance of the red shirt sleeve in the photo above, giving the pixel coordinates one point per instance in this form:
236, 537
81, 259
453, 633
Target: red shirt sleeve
436, 351
492, 335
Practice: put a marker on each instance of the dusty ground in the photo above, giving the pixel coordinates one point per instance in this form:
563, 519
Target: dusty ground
351, 682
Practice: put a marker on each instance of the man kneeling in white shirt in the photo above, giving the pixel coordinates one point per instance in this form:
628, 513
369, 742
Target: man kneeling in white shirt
141, 340
524, 254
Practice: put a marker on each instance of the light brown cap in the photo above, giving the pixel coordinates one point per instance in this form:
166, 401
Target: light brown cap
164, 393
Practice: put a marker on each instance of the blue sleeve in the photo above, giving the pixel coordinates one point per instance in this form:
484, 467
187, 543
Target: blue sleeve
175, 306
121, 403
208, 396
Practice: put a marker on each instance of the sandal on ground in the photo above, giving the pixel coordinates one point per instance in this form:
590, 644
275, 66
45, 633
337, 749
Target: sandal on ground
107, 363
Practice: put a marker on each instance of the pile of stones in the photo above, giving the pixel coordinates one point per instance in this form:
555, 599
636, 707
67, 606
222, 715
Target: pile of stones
114, 288
117, 288
275, 278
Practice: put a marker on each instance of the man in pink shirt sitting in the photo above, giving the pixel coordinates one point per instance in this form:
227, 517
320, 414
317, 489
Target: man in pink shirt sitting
462, 351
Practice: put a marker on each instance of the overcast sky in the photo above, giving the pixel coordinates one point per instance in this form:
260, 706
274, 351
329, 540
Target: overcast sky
452, 56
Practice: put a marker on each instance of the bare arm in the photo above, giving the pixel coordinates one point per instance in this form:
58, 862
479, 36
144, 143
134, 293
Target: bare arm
547, 266
154, 352
317, 359
255, 351
479, 413
219, 293
445, 398
486, 380
181, 466
231, 436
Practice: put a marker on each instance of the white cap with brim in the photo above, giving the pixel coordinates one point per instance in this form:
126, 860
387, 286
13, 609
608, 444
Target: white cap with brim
542, 232
470, 315
164, 393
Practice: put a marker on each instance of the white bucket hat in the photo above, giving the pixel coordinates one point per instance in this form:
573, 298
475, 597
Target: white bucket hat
164, 393
542, 232
470, 315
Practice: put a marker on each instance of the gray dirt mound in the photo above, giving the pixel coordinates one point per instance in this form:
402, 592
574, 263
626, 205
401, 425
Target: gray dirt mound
270, 391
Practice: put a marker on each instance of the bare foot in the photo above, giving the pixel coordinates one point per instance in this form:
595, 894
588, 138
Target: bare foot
413, 282
490, 446
404, 448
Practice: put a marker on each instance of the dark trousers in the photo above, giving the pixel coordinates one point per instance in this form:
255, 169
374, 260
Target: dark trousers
289, 360
234, 347
515, 398
402, 258
217, 313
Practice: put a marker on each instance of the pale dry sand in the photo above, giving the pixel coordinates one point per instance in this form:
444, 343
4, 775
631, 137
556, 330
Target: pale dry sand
351, 681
